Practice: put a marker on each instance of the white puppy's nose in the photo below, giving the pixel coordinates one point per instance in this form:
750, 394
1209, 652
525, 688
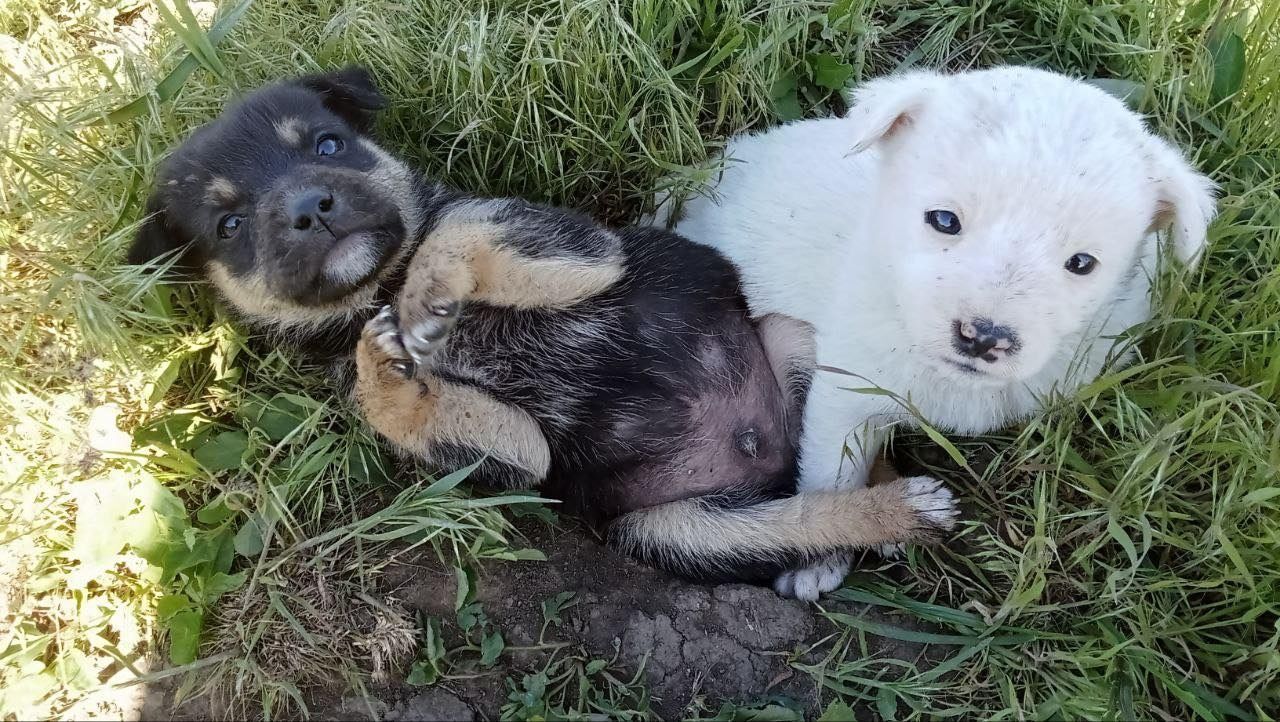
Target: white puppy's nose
980, 338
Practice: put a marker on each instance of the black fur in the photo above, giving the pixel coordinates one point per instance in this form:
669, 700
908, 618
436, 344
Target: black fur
643, 391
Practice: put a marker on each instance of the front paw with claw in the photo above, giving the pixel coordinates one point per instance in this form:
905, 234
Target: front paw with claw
383, 344
424, 326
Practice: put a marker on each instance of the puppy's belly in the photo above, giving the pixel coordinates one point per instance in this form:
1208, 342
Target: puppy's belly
729, 434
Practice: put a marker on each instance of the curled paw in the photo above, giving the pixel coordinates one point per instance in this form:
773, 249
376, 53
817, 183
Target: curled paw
425, 325
382, 337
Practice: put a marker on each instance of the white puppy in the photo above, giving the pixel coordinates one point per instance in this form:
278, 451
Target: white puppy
970, 242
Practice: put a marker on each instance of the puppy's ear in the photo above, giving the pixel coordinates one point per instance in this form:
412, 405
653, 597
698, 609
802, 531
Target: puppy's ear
350, 93
1185, 202
884, 107
156, 238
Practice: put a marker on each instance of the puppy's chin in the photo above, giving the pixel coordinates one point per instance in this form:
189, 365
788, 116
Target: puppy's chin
974, 372
354, 262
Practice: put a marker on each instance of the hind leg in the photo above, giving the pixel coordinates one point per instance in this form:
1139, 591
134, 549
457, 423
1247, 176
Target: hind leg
446, 424
789, 345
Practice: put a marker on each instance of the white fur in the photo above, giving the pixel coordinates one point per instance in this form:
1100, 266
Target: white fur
825, 220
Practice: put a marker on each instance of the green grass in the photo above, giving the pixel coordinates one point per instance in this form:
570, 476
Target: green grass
161, 477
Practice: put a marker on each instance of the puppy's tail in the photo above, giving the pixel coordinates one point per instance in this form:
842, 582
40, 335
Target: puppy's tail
733, 536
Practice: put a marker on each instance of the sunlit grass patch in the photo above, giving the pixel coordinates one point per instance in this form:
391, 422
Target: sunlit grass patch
163, 477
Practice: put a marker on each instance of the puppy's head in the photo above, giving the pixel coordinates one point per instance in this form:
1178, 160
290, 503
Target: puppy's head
285, 202
1015, 207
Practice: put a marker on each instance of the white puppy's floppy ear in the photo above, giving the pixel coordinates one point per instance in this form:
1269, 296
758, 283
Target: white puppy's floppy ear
883, 107
1185, 201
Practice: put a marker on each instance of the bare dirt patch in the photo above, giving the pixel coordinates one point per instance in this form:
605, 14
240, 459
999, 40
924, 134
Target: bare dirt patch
698, 645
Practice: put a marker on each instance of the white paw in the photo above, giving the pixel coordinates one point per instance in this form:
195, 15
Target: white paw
891, 550
934, 502
810, 583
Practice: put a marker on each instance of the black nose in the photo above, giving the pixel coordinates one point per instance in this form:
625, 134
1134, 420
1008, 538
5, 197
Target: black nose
977, 338
309, 208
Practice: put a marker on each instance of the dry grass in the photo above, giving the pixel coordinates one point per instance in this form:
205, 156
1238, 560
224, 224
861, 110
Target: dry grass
161, 473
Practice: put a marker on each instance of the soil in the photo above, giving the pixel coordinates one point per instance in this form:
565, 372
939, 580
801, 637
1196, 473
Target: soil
698, 645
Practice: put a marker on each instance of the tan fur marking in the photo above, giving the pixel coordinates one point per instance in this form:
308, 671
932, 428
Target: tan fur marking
468, 416
812, 523
289, 131
252, 297
219, 190
463, 258
503, 277
416, 414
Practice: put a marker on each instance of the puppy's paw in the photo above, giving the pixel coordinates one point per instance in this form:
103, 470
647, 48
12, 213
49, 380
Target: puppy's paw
933, 505
810, 583
381, 343
425, 323
891, 550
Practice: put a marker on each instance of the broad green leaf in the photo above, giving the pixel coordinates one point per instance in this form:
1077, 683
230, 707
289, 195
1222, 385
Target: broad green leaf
466, 587
221, 583
223, 452
471, 615
248, 541
171, 604
786, 102
1228, 51
491, 648
551, 608
215, 512
433, 643
422, 674
74, 670
886, 703
181, 555
829, 71
1130, 92
838, 711
101, 505
184, 636
278, 417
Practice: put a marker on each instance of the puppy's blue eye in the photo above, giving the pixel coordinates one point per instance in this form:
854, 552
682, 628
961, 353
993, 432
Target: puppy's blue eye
329, 145
228, 225
1081, 264
943, 221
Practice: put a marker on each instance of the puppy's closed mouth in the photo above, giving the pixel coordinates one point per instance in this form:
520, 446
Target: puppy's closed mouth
353, 261
966, 368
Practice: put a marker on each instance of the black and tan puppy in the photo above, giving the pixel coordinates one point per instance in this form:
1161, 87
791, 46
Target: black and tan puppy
617, 370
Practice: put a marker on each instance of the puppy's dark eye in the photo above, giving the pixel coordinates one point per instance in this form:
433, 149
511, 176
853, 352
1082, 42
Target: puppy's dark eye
329, 145
943, 221
228, 226
1081, 264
